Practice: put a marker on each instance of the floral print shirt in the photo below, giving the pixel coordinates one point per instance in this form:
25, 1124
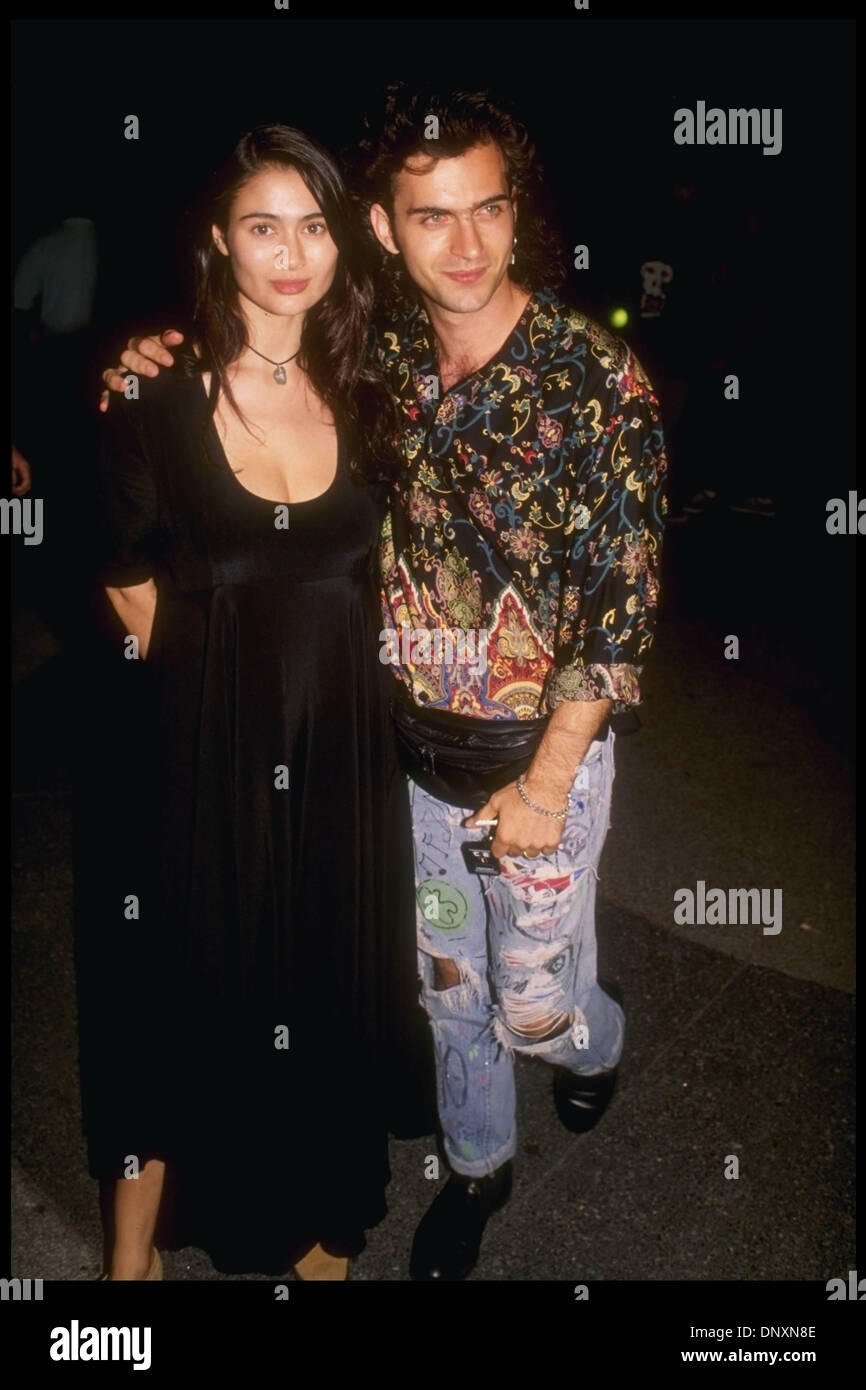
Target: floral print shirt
530, 515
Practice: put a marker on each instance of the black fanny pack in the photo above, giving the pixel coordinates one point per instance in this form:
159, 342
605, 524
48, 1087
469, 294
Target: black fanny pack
461, 760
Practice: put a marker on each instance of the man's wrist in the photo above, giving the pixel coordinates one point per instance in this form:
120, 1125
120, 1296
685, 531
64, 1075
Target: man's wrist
549, 777
551, 792
567, 739
555, 813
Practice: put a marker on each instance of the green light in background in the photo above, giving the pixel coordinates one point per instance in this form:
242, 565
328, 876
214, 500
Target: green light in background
618, 318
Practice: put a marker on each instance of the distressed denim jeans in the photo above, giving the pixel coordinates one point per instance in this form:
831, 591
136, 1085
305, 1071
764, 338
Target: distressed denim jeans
523, 941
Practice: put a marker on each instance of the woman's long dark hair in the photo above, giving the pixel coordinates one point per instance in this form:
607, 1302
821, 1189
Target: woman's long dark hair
334, 351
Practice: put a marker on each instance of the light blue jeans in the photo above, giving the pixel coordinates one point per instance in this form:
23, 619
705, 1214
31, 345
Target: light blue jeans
523, 941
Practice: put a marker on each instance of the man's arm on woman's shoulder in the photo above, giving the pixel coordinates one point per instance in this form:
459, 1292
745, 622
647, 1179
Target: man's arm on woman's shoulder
143, 357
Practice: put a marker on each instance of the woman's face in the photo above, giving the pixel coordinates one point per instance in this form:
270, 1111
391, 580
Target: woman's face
281, 252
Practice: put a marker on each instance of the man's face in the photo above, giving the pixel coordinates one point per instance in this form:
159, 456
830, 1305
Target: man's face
453, 223
282, 255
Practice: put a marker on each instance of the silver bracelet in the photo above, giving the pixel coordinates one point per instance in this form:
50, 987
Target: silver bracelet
540, 810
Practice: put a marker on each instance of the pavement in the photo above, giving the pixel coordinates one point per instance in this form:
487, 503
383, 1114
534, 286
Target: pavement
739, 1043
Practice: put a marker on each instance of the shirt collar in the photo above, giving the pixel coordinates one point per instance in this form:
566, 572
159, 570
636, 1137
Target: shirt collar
529, 342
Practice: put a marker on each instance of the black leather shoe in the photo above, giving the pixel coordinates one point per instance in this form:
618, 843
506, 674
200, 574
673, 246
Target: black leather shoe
582, 1100
448, 1240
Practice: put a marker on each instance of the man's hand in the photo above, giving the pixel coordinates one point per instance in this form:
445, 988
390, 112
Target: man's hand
144, 357
569, 733
519, 830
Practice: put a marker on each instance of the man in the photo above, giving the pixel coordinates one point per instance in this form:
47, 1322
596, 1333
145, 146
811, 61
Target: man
529, 519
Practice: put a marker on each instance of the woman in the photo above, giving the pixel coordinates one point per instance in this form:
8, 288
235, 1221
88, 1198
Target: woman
270, 967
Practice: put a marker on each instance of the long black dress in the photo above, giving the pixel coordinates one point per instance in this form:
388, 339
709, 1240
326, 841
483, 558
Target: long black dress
253, 1017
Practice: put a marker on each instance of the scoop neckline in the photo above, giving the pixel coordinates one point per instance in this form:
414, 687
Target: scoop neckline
217, 443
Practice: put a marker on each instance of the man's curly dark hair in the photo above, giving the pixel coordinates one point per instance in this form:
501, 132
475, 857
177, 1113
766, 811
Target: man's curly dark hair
465, 119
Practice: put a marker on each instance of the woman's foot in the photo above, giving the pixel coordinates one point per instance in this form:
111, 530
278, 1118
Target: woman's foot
318, 1264
132, 1267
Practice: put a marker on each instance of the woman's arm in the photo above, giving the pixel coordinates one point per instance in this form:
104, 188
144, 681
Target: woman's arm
135, 606
127, 515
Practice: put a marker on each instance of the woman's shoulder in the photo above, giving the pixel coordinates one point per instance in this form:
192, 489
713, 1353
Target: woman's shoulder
174, 389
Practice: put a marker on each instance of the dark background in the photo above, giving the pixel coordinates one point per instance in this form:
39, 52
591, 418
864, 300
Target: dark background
599, 100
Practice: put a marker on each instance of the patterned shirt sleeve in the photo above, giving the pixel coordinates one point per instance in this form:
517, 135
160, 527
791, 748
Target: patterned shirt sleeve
613, 535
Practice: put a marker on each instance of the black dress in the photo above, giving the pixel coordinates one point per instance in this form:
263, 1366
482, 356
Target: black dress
253, 1018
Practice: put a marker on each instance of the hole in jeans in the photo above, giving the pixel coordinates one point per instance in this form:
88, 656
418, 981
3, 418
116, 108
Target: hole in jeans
540, 1031
445, 973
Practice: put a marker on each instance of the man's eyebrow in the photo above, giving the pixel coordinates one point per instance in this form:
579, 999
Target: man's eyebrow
483, 203
275, 217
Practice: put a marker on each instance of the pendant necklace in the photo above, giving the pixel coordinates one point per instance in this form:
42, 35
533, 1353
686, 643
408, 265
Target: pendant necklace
279, 367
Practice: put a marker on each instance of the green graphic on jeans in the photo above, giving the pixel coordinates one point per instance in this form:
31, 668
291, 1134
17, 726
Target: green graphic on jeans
441, 904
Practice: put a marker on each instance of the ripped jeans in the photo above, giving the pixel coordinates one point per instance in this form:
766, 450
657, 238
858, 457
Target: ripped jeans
523, 941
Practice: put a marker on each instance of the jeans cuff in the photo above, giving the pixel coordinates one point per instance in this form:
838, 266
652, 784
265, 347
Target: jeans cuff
481, 1167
